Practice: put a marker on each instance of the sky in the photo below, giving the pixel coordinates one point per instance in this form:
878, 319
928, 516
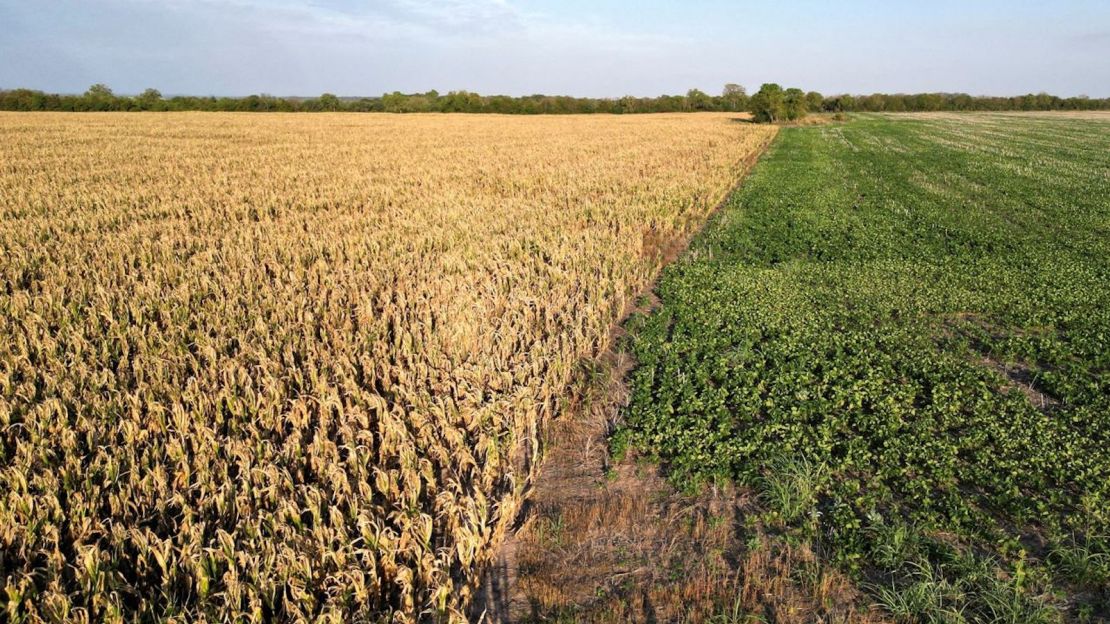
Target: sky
599, 48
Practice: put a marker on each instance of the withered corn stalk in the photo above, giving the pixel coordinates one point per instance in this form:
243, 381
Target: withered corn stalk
291, 367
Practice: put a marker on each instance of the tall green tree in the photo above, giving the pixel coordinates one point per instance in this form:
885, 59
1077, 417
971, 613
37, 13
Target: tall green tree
814, 101
795, 101
151, 99
329, 102
768, 105
698, 100
99, 98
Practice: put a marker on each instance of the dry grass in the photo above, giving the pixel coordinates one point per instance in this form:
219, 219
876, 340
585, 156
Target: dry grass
294, 367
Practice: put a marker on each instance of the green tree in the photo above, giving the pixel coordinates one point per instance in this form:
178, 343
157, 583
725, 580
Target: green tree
329, 102
795, 101
768, 105
395, 102
22, 100
698, 100
461, 102
841, 104
151, 99
814, 101
99, 90
99, 98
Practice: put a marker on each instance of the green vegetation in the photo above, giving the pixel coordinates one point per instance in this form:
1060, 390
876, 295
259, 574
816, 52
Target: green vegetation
768, 104
898, 331
771, 104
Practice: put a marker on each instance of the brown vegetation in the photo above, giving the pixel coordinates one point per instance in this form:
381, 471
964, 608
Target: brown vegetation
295, 367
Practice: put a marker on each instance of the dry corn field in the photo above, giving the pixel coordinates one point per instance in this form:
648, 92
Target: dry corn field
263, 367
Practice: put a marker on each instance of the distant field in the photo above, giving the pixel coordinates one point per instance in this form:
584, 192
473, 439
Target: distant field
898, 333
270, 366
1094, 115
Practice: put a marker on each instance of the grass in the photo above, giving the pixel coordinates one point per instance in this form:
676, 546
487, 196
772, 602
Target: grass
790, 486
881, 303
1086, 563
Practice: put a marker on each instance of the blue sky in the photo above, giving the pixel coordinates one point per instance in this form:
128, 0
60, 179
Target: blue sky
575, 47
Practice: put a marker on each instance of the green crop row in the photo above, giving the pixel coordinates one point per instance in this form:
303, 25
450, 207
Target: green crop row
914, 315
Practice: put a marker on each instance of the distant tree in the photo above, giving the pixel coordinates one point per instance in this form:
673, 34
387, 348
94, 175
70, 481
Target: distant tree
927, 102
814, 101
627, 104
461, 102
393, 102
501, 104
875, 102
698, 100
734, 97
795, 102
151, 99
771, 103
422, 102
329, 102
365, 105
22, 100
99, 90
733, 89
840, 104
1044, 101
768, 105
252, 103
99, 98
961, 101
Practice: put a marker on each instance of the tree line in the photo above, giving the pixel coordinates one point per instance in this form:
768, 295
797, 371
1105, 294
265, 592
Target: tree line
776, 103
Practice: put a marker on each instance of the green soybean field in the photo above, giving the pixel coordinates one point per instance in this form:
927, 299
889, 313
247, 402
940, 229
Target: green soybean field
897, 333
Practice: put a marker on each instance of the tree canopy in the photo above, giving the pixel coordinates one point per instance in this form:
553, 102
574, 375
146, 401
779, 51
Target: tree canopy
768, 105
772, 101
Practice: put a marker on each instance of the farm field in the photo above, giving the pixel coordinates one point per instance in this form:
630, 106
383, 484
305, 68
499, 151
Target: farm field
262, 367
897, 334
